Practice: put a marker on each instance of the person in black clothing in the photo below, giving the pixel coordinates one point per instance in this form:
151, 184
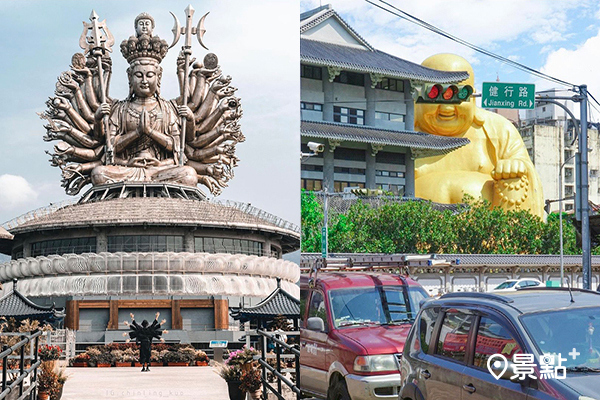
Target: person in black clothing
143, 335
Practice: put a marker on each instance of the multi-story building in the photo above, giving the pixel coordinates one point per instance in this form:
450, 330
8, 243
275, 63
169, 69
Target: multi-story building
356, 100
552, 144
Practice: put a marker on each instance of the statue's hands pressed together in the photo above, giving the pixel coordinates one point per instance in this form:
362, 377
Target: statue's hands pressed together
506, 169
144, 127
103, 110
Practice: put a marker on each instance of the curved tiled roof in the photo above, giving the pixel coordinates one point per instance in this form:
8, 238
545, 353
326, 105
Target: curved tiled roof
310, 19
152, 211
430, 144
18, 306
277, 303
4, 234
375, 61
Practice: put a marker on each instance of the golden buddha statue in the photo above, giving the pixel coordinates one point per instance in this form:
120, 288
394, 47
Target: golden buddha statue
494, 166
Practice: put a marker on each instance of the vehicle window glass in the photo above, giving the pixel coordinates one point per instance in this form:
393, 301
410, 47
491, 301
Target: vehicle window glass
506, 285
532, 283
303, 299
426, 326
416, 294
317, 307
452, 342
493, 338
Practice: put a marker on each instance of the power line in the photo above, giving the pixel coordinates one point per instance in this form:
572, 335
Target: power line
411, 18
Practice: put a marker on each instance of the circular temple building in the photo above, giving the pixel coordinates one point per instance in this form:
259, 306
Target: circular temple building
141, 247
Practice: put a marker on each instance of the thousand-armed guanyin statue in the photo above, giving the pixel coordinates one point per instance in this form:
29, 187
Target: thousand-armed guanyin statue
143, 138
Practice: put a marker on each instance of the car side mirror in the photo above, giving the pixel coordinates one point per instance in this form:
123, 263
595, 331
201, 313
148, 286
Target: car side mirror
315, 324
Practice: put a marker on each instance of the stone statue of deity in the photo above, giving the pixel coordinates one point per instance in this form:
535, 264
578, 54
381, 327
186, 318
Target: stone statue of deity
494, 166
103, 140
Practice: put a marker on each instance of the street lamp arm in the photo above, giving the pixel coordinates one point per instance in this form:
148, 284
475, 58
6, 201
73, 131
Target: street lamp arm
548, 100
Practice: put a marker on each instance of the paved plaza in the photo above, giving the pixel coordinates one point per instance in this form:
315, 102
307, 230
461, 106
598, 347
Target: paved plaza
180, 383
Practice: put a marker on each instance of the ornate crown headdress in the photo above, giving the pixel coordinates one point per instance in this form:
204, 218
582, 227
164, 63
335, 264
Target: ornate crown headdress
144, 46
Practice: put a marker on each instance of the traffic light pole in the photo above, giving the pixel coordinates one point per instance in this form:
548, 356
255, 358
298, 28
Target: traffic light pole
581, 200
584, 191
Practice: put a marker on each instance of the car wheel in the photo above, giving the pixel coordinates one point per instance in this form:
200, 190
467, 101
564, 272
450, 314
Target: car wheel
339, 391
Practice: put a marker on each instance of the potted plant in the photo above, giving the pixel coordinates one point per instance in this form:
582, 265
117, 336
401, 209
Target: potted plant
119, 357
201, 358
61, 379
187, 354
49, 353
130, 356
175, 359
155, 358
80, 360
47, 381
233, 377
105, 359
251, 382
93, 354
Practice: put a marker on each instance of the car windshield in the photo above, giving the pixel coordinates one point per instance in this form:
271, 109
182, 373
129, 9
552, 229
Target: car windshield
568, 333
506, 285
377, 305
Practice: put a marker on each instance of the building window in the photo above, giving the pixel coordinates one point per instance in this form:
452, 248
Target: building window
64, 246
214, 245
308, 167
543, 109
312, 184
393, 174
350, 78
568, 207
389, 116
17, 252
387, 157
395, 85
311, 106
156, 243
343, 170
342, 153
339, 186
349, 115
311, 72
594, 173
568, 190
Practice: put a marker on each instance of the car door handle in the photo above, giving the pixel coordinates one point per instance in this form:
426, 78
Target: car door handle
425, 374
469, 388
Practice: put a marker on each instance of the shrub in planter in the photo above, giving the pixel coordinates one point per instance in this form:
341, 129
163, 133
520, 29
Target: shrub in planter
175, 357
129, 355
201, 358
119, 357
105, 359
80, 360
187, 354
47, 380
49, 353
93, 354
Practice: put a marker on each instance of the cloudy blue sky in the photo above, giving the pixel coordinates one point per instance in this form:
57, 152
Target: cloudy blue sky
560, 38
256, 42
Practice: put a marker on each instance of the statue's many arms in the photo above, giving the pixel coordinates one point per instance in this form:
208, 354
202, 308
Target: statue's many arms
143, 131
494, 166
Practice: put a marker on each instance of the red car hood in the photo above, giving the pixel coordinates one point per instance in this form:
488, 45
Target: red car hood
384, 339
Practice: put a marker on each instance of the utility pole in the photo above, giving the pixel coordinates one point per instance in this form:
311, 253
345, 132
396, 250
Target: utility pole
584, 204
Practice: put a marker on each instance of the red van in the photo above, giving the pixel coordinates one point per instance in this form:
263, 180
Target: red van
353, 330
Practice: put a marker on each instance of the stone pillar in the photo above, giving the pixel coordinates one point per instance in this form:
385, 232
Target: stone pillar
176, 320
328, 167
188, 242
328, 96
409, 118
371, 96
101, 242
409, 175
371, 169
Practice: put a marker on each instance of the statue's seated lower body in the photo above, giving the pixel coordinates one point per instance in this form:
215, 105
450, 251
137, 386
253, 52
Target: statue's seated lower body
183, 175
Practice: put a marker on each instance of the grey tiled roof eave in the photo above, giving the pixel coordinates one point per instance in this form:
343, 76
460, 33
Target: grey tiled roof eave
319, 17
425, 143
277, 303
15, 304
378, 62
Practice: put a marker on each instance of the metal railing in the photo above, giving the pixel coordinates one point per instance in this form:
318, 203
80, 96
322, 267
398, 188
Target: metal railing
37, 213
258, 213
18, 376
277, 371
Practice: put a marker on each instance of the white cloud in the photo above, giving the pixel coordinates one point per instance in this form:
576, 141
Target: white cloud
15, 191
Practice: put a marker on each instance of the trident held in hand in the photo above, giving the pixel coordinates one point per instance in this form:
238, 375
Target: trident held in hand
97, 43
187, 31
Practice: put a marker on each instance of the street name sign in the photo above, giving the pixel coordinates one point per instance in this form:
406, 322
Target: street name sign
324, 242
508, 95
